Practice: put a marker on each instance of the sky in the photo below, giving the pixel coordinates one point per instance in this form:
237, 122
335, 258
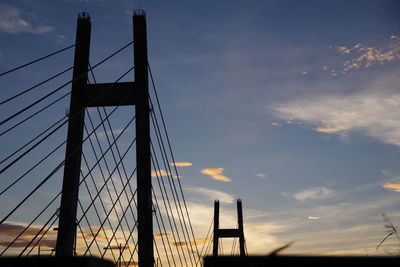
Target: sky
290, 106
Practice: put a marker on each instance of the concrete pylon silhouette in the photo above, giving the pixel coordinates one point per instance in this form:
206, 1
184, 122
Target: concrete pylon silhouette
84, 95
231, 232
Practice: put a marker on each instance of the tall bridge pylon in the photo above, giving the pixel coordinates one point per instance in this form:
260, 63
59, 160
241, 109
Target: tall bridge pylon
228, 233
85, 95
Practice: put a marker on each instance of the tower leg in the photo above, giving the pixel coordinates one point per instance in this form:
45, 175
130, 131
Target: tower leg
69, 197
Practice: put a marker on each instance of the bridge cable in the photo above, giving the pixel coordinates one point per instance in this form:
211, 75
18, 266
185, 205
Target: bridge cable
169, 216
206, 240
92, 199
97, 195
169, 145
62, 86
102, 173
29, 225
46, 179
36, 60
31, 141
43, 181
32, 168
113, 156
35, 86
172, 185
162, 233
34, 114
30, 149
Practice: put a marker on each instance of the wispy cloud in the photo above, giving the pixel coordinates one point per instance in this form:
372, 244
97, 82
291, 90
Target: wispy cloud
181, 164
11, 21
313, 217
262, 175
216, 174
276, 124
161, 173
315, 193
12, 230
8, 231
367, 113
392, 186
367, 56
162, 235
211, 194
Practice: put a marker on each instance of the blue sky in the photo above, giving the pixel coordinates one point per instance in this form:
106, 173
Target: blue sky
291, 106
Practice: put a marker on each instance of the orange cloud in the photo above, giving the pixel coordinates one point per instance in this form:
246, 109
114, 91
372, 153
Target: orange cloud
201, 241
334, 129
216, 174
180, 244
9, 231
44, 243
392, 186
13, 230
162, 235
367, 56
181, 164
161, 173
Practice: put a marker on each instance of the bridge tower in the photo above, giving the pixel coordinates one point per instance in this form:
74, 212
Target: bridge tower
228, 233
84, 95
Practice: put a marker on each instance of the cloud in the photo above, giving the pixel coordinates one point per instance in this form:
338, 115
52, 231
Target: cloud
216, 174
313, 217
181, 164
161, 173
13, 229
11, 21
318, 193
276, 124
212, 194
368, 113
292, 121
367, 56
262, 175
9, 231
201, 241
392, 186
44, 243
162, 235
343, 49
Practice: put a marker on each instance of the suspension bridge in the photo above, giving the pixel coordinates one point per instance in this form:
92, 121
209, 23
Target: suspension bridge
79, 182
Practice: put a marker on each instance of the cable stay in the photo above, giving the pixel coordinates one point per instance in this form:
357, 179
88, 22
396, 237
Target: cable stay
62, 86
34, 114
32, 140
176, 172
36, 60
35, 86
59, 166
172, 156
